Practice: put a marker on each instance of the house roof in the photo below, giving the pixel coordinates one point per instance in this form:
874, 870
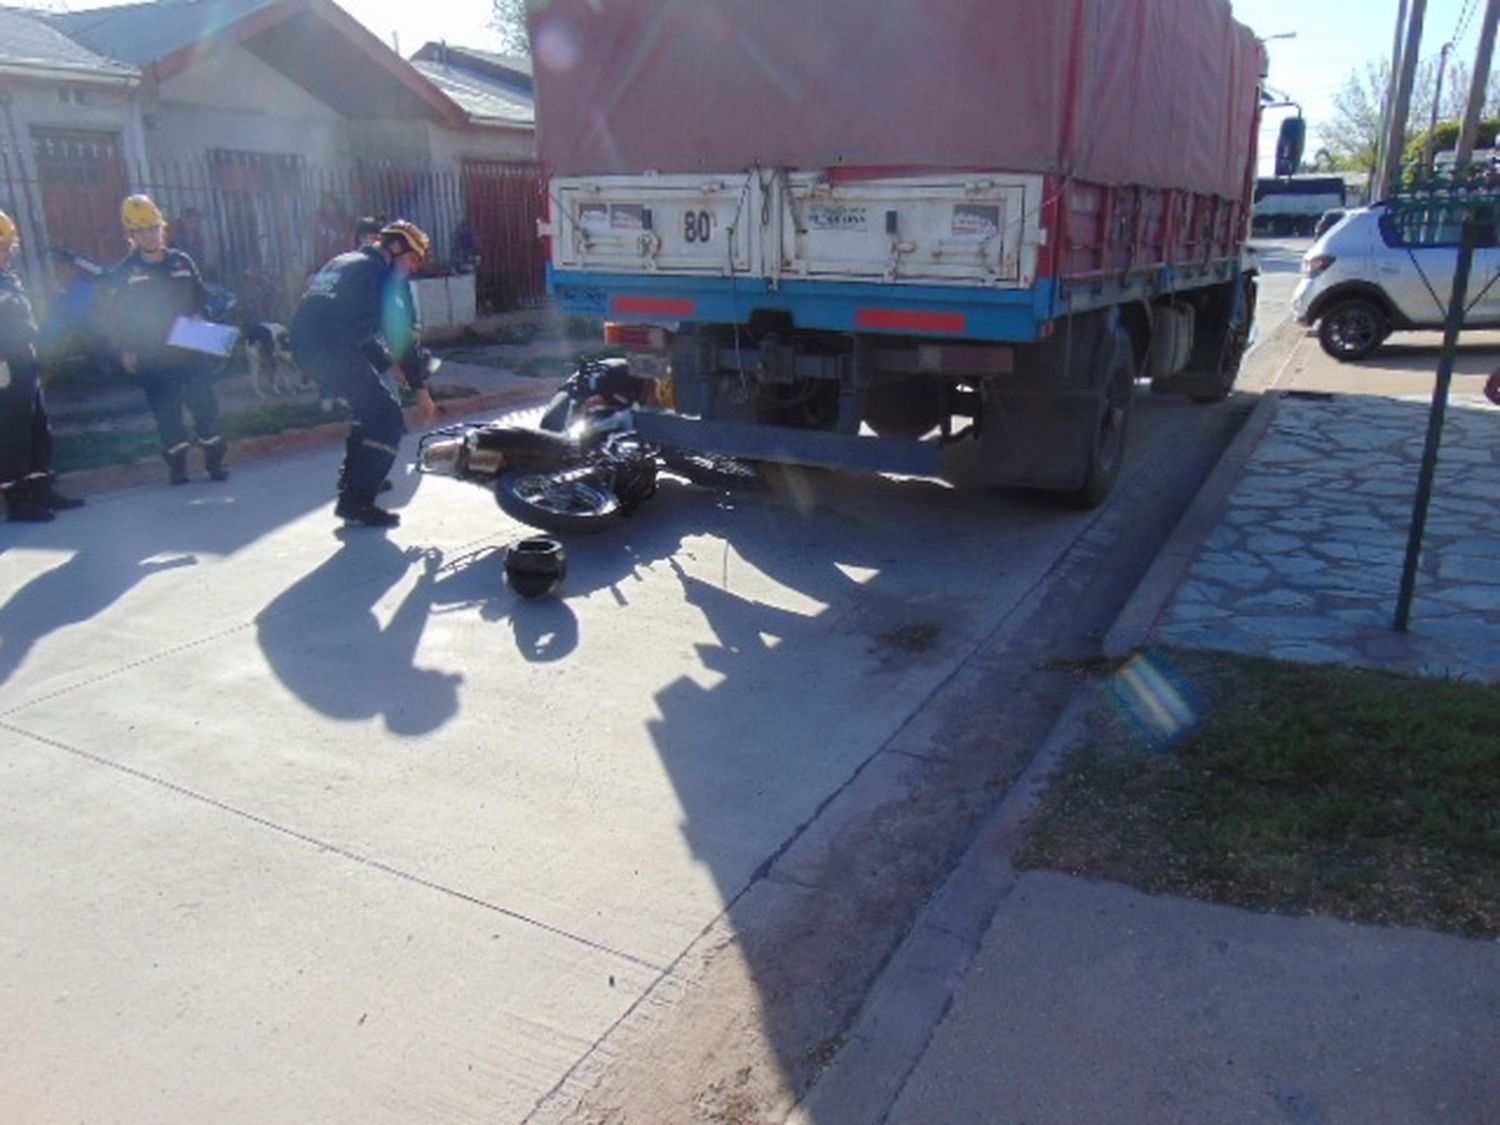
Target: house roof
142, 34
510, 70
30, 43
486, 101
314, 43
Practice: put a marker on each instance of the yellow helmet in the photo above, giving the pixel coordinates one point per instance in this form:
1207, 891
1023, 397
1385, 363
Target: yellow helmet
9, 235
139, 213
411, 234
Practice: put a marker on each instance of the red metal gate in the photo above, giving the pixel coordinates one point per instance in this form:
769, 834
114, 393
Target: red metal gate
503, 202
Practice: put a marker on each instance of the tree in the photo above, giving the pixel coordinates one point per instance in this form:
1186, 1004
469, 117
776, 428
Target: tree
509, 20
1352, 136
1445, 139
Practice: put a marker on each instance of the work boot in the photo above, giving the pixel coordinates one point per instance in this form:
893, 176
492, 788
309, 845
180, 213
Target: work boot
385, 485
43, 491
21, 506
176, 466
366, 512
213, 459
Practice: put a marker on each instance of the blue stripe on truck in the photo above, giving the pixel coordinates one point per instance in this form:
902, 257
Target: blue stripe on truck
933, 310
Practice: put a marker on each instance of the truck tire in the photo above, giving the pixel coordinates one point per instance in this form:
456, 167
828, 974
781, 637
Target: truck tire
1107, 450
1351, 329
905, 408
1232, 341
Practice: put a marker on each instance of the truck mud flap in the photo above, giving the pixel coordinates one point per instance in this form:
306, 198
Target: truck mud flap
784, 445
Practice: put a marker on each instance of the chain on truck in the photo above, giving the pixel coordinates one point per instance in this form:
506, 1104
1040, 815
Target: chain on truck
950, 251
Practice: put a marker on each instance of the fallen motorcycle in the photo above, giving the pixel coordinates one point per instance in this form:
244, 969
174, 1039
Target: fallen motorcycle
585, 467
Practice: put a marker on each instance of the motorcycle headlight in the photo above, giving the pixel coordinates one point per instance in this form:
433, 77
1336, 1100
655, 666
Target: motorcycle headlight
1314, 264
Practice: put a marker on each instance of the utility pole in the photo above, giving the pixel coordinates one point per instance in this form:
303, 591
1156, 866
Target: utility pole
1402, 105
1377, 177
1437, 100
1482, 59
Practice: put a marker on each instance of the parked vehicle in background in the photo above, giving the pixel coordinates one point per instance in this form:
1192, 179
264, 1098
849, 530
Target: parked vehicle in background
1370, 276
1328, 220
1294, 205
967, 240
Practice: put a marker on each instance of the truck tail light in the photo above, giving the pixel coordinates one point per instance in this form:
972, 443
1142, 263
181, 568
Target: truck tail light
1316, 264
642, 337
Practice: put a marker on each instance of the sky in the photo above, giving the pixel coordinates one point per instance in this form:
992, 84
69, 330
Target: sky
1331, 38
1336, 37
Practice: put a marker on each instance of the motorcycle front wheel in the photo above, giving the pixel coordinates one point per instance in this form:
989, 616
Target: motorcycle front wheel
563, 500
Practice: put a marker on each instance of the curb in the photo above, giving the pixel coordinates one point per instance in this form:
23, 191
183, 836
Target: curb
92, 482
894, 1026
1132, 628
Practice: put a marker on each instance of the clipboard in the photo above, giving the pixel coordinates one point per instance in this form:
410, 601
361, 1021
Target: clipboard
198, 335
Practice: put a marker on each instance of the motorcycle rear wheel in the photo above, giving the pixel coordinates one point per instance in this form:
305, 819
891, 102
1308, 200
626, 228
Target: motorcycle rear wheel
564, 500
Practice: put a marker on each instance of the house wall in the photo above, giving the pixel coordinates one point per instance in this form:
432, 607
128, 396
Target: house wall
27, 105
404, 143
451, 147
230, 99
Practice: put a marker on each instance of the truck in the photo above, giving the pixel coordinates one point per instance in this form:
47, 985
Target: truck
1292, 205
941, 239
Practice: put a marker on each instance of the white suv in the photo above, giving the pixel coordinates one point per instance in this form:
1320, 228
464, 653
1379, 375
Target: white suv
1365, 278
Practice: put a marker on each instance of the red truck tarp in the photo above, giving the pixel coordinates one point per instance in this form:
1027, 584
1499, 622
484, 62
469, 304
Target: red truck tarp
1161, 93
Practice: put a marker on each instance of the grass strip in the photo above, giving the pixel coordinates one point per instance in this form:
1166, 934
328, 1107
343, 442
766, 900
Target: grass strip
1291, 788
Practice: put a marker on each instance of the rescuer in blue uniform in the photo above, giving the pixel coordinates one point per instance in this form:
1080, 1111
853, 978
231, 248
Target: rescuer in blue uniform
355, 331
145, 294
25, 434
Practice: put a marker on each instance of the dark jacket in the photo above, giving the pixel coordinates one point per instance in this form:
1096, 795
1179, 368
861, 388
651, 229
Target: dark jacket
17, 326
358, 303
141, 301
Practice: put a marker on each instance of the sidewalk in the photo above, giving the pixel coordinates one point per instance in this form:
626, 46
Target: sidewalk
498, 390
1038, 997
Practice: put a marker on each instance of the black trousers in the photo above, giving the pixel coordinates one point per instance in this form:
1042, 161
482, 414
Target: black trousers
25, 434
375, 437
170, 392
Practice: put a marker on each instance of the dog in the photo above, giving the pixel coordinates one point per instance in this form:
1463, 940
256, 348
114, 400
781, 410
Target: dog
273, 371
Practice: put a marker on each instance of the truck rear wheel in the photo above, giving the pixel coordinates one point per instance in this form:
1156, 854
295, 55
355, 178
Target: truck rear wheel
905, 408
1107, 450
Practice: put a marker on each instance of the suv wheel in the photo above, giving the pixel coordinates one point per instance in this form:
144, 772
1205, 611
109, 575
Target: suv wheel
1352, 329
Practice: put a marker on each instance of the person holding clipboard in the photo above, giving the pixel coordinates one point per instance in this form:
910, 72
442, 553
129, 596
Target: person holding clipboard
154, 303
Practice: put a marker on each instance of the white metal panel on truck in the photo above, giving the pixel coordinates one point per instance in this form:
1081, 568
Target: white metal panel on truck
653, 224
958, 229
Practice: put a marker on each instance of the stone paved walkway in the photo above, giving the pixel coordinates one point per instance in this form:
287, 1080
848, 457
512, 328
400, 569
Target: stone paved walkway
1306, 560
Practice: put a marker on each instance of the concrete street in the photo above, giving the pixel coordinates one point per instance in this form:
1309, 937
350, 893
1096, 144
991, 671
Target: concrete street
300, 825
297, 825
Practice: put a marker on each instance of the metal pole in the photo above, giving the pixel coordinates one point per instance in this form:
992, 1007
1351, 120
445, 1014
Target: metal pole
1437, 99
1402, 105
1482, 57
1435, 417
1382, 142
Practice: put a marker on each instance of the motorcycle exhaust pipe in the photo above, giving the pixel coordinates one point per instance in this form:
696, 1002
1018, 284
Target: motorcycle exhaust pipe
441, 455
459, 455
